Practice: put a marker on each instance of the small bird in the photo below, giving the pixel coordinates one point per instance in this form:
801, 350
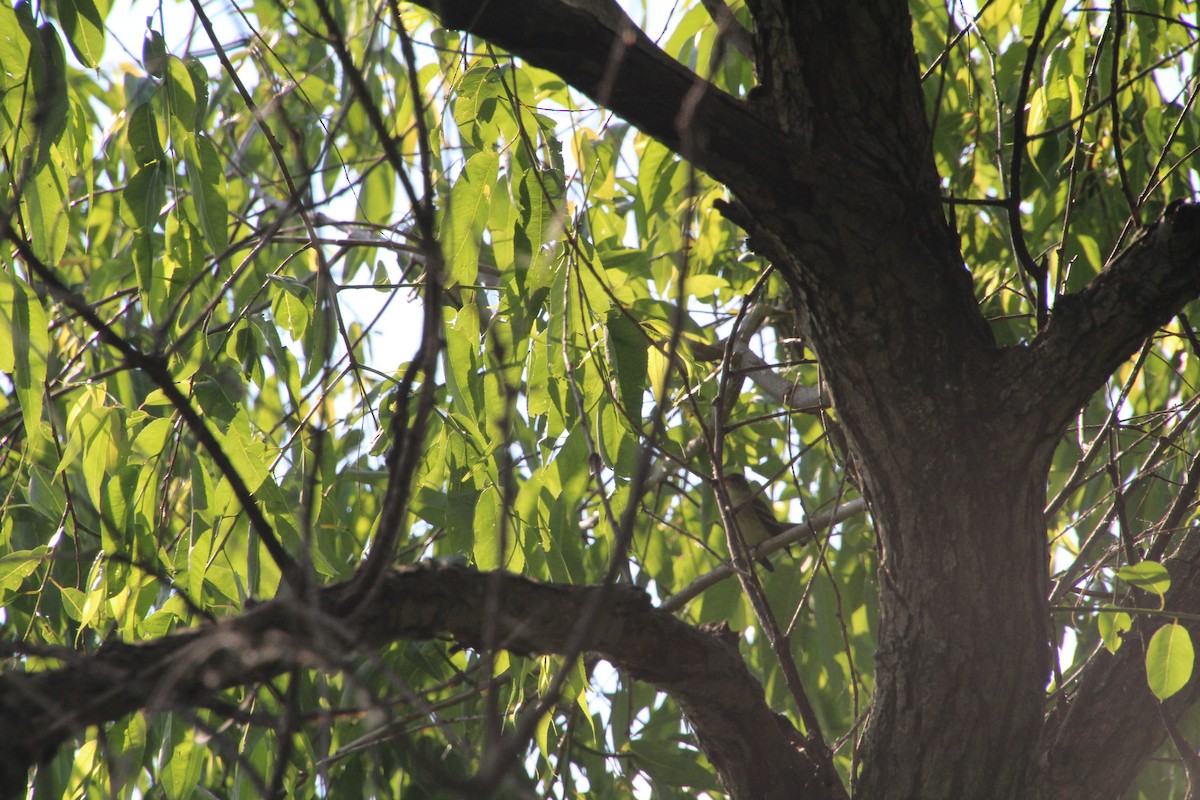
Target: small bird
755, 519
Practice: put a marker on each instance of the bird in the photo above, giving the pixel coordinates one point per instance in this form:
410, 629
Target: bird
755, 519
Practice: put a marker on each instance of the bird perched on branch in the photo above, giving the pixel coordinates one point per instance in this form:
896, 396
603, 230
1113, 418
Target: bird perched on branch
752, 511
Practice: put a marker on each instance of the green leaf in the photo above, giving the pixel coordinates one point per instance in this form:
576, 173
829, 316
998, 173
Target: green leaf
461, 358
537, 198
154, 53
181, 93
377, 198
14, 48
250, 457
467, 213
83, 22
291, 305
208, 190
91, 444
142, 135
96, 595
626, 347
152, 440
1148, 575
138, 89
131, 736
73, 602
46, 495
50, 85
488, 542
1111, 624
144, 197
199, 76
475, 102
24, 347
181, 772
704, 286
15, 567
1169, 660
46, 211
542, 734
198, 556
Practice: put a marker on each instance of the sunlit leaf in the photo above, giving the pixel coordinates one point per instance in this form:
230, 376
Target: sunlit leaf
208, 180
1148, 575
1169, 660
24, 347
83, 22
181, 93
467, 212
17, 565
45, 206
1112, 624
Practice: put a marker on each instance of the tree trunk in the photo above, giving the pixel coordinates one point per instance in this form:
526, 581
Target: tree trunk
964, 652
954, 475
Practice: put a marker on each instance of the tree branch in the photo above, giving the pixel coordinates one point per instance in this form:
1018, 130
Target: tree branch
797, 533
733, 31
596, 48
1093, 331
754, 750
853, 93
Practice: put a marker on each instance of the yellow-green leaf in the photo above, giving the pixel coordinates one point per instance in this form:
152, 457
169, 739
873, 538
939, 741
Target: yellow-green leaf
17, 566
487, 530
46, 208
250, 458
83, 22
468, 211
1148, 575
208, 189
1111, 625
24, 347
1169, 660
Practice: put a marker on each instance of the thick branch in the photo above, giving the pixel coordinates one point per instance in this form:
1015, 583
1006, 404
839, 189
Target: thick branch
842, 76
1091, 333
596, 48
752, 748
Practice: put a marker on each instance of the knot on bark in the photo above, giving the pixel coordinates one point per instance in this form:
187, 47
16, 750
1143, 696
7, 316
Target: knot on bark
722, 633
1179, 232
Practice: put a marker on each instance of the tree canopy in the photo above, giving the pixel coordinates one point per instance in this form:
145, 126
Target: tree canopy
372, 373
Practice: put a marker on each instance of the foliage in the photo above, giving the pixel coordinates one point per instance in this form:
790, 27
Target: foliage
252, 239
